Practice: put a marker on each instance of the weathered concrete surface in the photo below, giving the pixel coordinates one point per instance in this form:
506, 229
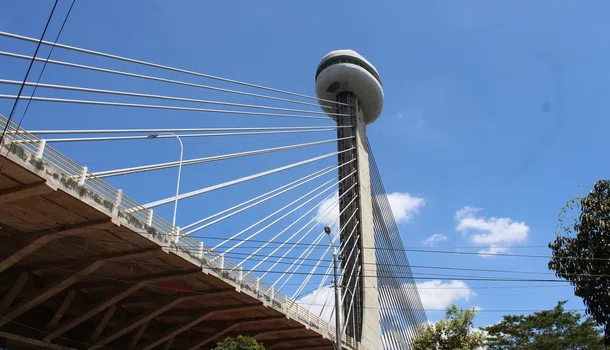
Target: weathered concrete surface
371, 323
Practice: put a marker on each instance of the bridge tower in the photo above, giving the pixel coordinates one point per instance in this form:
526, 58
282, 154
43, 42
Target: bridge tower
348, 78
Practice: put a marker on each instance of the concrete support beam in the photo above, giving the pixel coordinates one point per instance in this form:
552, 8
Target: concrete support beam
162, 299
168, 344
104, 321
203, 315
176, 331
109, 302
62, 309
44, 237
134, 323
135, 339
64, 262
276, 331
145, 317
232, 327
8, 299
25, 191
49, 292
34, 342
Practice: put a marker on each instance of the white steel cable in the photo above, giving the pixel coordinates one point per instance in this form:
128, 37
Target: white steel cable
162, 107
350, 255
288, 187
155, 65
160, 97
306, 252
252, 205
143, 168
351, 272
148, 77
236, 181
142, 137
327, 211
324, 306
351, 234
311, 249
276, 220
351, 304
293, 222
320, 285
149, 131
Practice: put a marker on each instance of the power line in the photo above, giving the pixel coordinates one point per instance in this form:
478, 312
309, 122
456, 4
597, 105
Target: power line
44, 66
305, 245
171, 248
10, 117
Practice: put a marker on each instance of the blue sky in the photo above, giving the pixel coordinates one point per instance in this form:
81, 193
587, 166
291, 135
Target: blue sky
465, 121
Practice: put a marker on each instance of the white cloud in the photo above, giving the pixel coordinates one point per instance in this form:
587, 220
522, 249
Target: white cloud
328, 211
434, 239
437, 295
316, 300
492, 231
404, 206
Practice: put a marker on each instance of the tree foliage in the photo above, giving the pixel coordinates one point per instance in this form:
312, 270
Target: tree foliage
554, 329
239, 343
455, 332
581, 252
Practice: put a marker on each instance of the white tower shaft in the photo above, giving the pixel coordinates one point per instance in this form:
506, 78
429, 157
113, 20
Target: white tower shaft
364, 317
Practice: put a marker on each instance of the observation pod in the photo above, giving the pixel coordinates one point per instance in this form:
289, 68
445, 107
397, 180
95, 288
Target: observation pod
346, 70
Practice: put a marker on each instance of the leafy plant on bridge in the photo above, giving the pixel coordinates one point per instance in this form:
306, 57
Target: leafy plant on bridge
554, 329
455, 332
239, 343
581, 252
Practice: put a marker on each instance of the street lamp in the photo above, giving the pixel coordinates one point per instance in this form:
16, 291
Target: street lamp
336, 258
154, 136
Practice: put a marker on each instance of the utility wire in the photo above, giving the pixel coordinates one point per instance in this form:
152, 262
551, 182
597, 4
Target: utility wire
27, 74
369, 248
44, 66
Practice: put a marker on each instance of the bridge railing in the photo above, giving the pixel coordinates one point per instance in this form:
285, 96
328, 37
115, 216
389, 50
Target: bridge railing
115, 198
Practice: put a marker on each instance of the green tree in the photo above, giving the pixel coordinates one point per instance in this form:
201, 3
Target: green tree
581, 252
455, 332
554, 329
239, 343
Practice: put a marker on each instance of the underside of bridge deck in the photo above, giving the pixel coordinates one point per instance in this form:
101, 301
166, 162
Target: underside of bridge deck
74, 277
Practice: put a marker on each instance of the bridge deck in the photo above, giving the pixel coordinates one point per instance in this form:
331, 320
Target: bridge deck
78, 273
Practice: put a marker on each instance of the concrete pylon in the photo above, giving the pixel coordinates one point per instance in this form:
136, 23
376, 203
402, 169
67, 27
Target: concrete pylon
353, 83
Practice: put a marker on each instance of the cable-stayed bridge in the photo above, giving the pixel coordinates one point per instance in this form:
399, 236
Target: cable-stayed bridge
105, 246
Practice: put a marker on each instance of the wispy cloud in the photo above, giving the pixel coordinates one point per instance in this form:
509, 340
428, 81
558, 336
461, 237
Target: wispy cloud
437, 295
404, 206
434, 239
492, 232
